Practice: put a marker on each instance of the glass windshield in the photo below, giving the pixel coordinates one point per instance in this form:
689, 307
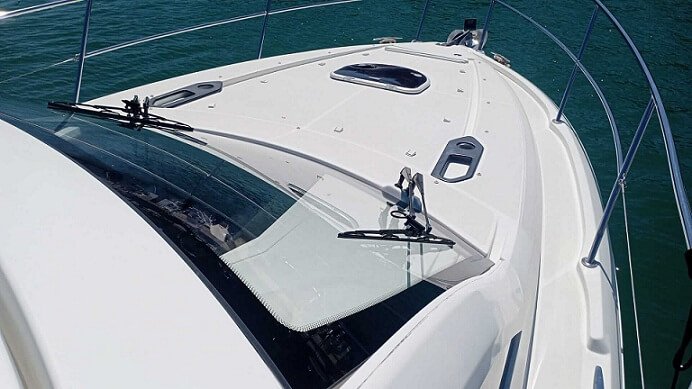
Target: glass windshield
307, 277
313, 305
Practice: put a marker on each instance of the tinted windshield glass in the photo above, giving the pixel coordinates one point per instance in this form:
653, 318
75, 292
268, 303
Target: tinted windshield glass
211, 208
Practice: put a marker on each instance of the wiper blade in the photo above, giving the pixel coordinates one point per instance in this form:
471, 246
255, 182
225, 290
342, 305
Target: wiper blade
396, 235
132, 115
414, 231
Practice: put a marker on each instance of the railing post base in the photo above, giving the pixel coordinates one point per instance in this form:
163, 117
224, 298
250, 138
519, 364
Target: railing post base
590, 263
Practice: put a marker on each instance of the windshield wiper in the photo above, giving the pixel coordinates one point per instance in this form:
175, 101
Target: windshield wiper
396, 235
414, 231
134, 114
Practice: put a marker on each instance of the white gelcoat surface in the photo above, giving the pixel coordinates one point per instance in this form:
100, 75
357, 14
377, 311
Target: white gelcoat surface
532, 209
107, 301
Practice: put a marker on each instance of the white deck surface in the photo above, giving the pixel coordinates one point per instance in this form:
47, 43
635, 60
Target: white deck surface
533, 200
531, 208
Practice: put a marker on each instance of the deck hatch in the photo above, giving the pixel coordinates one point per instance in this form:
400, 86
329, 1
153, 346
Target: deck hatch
390, 77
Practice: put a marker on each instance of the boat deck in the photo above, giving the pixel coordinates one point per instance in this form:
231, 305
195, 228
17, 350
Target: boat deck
532, 206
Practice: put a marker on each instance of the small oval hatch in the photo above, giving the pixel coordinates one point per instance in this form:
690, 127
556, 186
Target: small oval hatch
390, 77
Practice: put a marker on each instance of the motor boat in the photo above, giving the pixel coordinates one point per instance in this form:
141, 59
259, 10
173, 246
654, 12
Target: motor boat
391, 214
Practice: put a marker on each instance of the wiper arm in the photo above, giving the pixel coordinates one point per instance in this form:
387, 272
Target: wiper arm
414, 231
133, 115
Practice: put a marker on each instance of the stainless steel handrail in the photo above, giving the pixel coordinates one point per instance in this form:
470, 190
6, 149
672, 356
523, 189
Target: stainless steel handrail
37, 8
572, 76
577, 63
268, 8
265, 14
82, 51
681, 198
623, 164
422, 19
682, 201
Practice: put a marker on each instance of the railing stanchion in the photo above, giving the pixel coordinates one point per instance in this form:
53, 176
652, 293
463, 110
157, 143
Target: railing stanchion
590, 260
422, 19
681, 199
82, 51
486, 25
570, 82
264, 28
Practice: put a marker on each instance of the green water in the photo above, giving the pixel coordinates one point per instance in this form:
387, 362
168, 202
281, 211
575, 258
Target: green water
661, 29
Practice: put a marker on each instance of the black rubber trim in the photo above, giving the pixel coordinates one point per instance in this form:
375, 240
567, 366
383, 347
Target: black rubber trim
506, 380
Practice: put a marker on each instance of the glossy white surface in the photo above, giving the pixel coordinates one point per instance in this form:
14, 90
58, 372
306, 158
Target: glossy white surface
103, 299
532, 206
121, 297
